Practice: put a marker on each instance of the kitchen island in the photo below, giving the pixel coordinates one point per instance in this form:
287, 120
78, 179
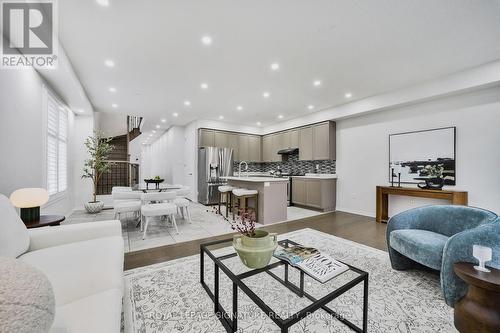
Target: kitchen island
272, 203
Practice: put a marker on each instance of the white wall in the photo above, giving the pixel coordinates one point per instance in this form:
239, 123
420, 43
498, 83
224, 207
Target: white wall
363, 152
165, 157
111, 124
83, 128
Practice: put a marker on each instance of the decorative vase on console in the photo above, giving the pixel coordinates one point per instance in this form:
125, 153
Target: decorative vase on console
254, 247
433, 179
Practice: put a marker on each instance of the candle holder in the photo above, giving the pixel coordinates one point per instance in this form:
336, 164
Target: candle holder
399, 179
392, 177
482, 254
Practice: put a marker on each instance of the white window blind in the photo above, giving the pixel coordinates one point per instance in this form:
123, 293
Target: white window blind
57, 136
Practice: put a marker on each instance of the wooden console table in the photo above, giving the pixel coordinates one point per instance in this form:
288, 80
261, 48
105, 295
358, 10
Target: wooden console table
456, 197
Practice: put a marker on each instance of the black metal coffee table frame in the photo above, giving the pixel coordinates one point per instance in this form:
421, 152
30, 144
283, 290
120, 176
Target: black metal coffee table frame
230, 322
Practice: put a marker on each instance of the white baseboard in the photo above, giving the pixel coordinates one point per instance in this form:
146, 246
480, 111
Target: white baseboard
357, 212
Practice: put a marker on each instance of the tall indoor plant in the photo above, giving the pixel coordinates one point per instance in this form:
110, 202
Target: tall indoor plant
98, 148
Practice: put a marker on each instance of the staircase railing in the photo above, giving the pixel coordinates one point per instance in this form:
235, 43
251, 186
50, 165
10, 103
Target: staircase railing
122, 173
133, 122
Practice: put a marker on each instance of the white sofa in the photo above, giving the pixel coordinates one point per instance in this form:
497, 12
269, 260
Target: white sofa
83, 262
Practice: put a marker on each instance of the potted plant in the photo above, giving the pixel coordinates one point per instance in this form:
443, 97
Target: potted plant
254, 247
98, 148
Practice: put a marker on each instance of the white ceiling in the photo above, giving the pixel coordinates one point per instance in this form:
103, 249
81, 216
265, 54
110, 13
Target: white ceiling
363, 47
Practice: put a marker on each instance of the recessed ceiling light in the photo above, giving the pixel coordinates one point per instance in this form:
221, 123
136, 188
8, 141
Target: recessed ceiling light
275, 66
104, 3
112, 89
317, 83
164, 120
348, 95
175, 114
206, 40
259, 123
239, 108
150, 135
310, 107
109, 63
114, 105
280, 116
204, 86
157, 126
265, 94
221, 117
187, 103
153, 131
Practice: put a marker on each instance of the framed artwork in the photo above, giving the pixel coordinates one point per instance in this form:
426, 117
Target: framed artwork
413, 154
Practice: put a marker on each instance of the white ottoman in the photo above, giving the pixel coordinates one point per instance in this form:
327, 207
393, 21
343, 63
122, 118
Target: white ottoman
158, 209
123, 207
183, 205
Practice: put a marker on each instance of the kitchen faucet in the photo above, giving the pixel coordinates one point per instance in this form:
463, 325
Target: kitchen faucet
239, 168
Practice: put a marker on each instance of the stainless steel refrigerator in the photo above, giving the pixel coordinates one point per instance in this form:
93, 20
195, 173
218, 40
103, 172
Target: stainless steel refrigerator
213, 163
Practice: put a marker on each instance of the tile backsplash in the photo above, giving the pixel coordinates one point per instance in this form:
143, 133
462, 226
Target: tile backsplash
292, 164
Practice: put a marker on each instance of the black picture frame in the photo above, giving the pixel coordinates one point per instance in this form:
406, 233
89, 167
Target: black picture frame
450, 173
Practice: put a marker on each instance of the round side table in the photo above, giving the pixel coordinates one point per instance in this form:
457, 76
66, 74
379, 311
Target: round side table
46, 220
479, 310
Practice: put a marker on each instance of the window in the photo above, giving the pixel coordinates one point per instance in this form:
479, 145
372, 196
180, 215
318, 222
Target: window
57, 136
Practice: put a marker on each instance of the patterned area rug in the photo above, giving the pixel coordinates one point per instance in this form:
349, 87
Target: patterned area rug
168, 297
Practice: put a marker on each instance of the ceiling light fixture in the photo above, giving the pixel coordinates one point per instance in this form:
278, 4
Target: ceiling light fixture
114, 105
239, 108
109, 63
157, 126
280, 116
153, 131
221, 117
175, 114
317, 83
187, 103
104, 3
204, 86
112, 89
348, 95
259, 123
265, 94
275, 66
164, 120
310, 107
206, 40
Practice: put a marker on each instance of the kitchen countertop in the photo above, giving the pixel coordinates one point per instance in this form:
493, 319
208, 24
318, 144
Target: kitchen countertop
317, 176
256, 179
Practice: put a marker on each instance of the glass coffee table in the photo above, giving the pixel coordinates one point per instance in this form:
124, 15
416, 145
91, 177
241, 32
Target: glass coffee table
284, 293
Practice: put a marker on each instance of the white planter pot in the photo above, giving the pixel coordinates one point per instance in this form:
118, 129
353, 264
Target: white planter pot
94, 207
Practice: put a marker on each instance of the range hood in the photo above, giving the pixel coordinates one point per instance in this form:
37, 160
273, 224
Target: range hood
288, 151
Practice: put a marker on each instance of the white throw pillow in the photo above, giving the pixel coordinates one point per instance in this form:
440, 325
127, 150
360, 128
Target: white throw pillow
14, 237
27, 304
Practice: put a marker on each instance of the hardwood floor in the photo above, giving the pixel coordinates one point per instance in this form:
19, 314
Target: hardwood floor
360, 229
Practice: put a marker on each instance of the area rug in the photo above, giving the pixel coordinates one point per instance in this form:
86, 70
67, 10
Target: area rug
168, 297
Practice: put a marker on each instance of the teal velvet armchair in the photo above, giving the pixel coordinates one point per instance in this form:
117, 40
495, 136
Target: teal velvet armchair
439, 236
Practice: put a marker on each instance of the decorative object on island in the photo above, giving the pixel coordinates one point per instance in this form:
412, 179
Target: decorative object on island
98, 148
415, 152
157, 181
29, 201
483, 254
254, 247
479, 309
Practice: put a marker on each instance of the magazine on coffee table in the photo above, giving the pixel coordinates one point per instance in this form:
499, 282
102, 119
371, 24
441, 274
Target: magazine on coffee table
319, 266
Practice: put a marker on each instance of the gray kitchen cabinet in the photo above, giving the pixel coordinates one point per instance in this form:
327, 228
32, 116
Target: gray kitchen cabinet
306, 143
267, 146
324, 141
232, 142
294, 138
243, 154
206, 138
316, 193
277, 145
254, 148
313, 193
299, 191
221, 139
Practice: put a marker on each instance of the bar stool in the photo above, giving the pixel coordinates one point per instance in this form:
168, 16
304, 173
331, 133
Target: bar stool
245, 194
225, 193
